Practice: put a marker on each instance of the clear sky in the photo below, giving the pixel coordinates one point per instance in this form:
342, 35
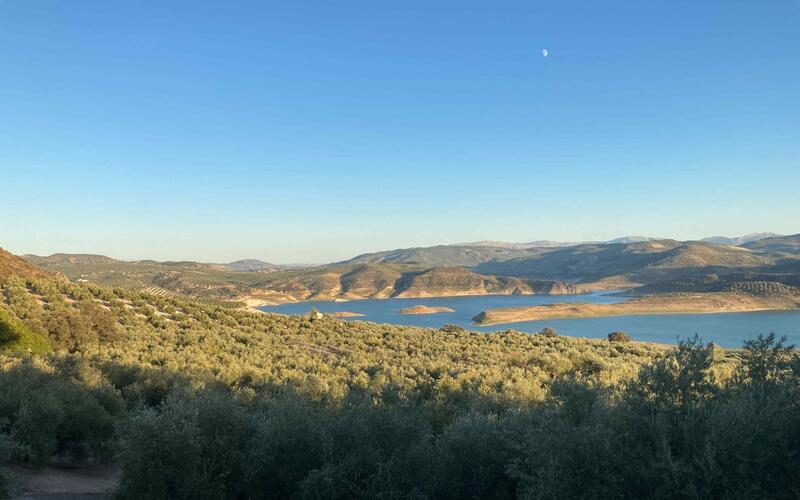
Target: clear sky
309, 131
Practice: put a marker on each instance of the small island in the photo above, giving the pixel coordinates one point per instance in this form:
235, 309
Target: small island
425, 310
345, 314
672, 303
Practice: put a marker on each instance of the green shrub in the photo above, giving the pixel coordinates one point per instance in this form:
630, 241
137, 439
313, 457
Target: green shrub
619, 337
549, 332
452, 329
15, 336
188, 448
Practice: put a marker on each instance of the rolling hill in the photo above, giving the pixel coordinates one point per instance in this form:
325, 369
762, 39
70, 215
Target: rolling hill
444, 255
639, 262
784, 246
445, 270
586, 262
69, 259
739, 240
250, 265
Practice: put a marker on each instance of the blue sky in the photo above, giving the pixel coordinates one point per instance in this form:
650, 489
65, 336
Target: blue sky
312, 131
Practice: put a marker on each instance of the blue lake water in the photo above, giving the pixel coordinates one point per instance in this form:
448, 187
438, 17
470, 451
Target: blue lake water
728, 329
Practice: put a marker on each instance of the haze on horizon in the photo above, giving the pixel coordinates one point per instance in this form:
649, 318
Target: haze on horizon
313, 133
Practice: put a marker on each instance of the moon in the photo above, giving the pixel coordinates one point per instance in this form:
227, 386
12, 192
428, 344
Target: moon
545, 52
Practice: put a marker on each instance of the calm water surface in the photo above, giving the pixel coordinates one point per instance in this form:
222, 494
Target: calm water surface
728, 329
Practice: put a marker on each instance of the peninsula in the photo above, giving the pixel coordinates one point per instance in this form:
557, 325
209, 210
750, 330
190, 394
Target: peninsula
671, 303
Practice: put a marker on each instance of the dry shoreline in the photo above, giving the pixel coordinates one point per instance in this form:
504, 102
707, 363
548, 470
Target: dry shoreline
699, 303
254, 301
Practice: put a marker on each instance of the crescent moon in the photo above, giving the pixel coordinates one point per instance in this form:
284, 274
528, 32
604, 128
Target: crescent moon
545, 52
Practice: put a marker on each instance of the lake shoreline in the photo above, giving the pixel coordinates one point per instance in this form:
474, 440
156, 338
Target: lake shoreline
253, 302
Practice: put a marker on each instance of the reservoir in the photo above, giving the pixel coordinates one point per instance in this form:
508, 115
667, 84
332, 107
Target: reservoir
725, 329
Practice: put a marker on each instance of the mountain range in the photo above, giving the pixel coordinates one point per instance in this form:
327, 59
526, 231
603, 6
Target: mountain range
473, 269
721, 240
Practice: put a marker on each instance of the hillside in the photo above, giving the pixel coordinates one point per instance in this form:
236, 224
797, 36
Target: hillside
585, 262
10, 265
445, 255
344, 281
739, 240
639, 262
443, 281
68, 259
249, 265
370, 280
15, 336
784, 246
386, 280
212, 281
716, 283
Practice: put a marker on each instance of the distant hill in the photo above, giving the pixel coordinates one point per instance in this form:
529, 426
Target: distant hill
639, 262
443, 255
10, 265
212, 281
699, 255
519, 246
69, 259
739, 240
551, 243
780, 244
583, 262
252, 265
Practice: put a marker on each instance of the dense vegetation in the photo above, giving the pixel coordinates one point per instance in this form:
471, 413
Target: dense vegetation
201, 401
